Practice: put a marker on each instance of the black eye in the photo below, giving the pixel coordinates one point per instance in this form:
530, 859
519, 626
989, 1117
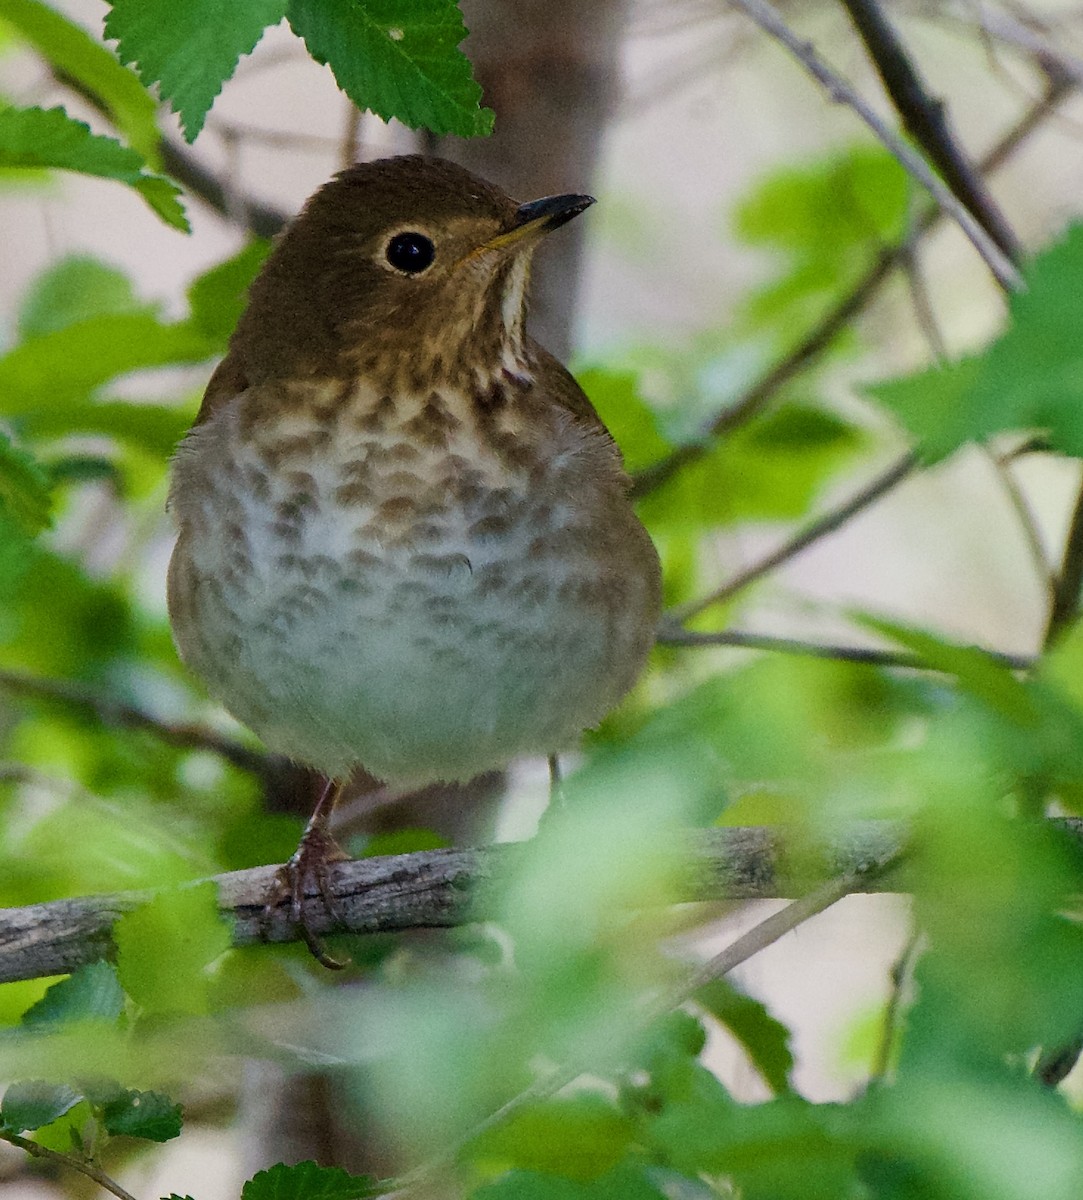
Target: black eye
410, 252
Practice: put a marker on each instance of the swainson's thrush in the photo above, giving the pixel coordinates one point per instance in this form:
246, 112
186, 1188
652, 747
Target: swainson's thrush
405, 539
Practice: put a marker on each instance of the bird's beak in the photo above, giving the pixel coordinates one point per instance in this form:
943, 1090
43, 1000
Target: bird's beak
539, 217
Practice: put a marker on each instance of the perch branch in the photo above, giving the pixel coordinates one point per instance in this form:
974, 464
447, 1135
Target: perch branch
427, 889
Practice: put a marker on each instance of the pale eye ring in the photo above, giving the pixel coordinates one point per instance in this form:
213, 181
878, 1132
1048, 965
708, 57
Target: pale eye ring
410, 252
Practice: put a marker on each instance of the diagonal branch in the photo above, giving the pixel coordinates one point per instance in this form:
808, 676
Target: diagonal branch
828, 523
768, 19
925, 119
819, 339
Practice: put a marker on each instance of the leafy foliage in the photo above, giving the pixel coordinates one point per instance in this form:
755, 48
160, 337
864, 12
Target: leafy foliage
189, 54
399, 58
307, 1181
38, 137
1028, 379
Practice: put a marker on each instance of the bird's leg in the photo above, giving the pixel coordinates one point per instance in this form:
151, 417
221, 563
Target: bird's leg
311, 862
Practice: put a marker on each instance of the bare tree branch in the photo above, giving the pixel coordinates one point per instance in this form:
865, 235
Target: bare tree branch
925, 119
768, 19
428, 889
676, 636
1068, 584
828, 523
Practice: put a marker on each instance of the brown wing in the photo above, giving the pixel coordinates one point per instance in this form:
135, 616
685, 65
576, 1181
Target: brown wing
229, 380
562, 387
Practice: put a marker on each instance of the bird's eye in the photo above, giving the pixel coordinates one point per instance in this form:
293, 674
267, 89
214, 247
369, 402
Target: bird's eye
410, 252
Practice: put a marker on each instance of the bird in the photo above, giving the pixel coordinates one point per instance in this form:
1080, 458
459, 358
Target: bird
405, 539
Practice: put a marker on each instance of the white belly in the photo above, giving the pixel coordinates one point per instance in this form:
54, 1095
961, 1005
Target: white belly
432, 637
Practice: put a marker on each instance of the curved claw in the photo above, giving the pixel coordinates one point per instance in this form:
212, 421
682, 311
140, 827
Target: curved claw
309, 865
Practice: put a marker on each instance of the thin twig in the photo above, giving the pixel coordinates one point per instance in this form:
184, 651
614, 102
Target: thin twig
839, 90
1068, 584
819, 339
670, 635
67, 1160
117, 714
925, 119
259, 219
1028, 523
900, 976
828, 523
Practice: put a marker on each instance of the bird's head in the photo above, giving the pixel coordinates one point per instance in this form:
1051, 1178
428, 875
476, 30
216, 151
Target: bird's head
401, 263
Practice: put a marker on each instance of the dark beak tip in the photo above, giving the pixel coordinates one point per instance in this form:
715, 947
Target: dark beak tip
553, 210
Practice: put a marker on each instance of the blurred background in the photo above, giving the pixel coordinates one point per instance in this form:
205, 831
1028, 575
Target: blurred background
692, 275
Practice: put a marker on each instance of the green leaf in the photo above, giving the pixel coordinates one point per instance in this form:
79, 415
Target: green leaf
188, 50
770, 469
628, 417
73, 289
24, 488
148, 1115
1031, 377
39, 137
398, 58
765, 1039
90, 994
626, 1182
75, 53
826, 219
150, 427
307, 1181
978, 673
218, 297
67, 365
30, 1105
164, 948
579, 1137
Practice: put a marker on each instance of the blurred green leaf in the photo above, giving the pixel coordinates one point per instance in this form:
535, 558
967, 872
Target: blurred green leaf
1030, 378
164, 948
627, 416
578, 1137
25, 491
975, 669
307, 1181
153, 428
218, 297
38, 137
74, 289
770, 469
75, 53
66, 365
92, 993
397, 58
30, 1105
826, 219
765, 1039
625, 1182
188, 51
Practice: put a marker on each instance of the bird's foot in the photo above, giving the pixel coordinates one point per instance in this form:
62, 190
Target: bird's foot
308, 869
